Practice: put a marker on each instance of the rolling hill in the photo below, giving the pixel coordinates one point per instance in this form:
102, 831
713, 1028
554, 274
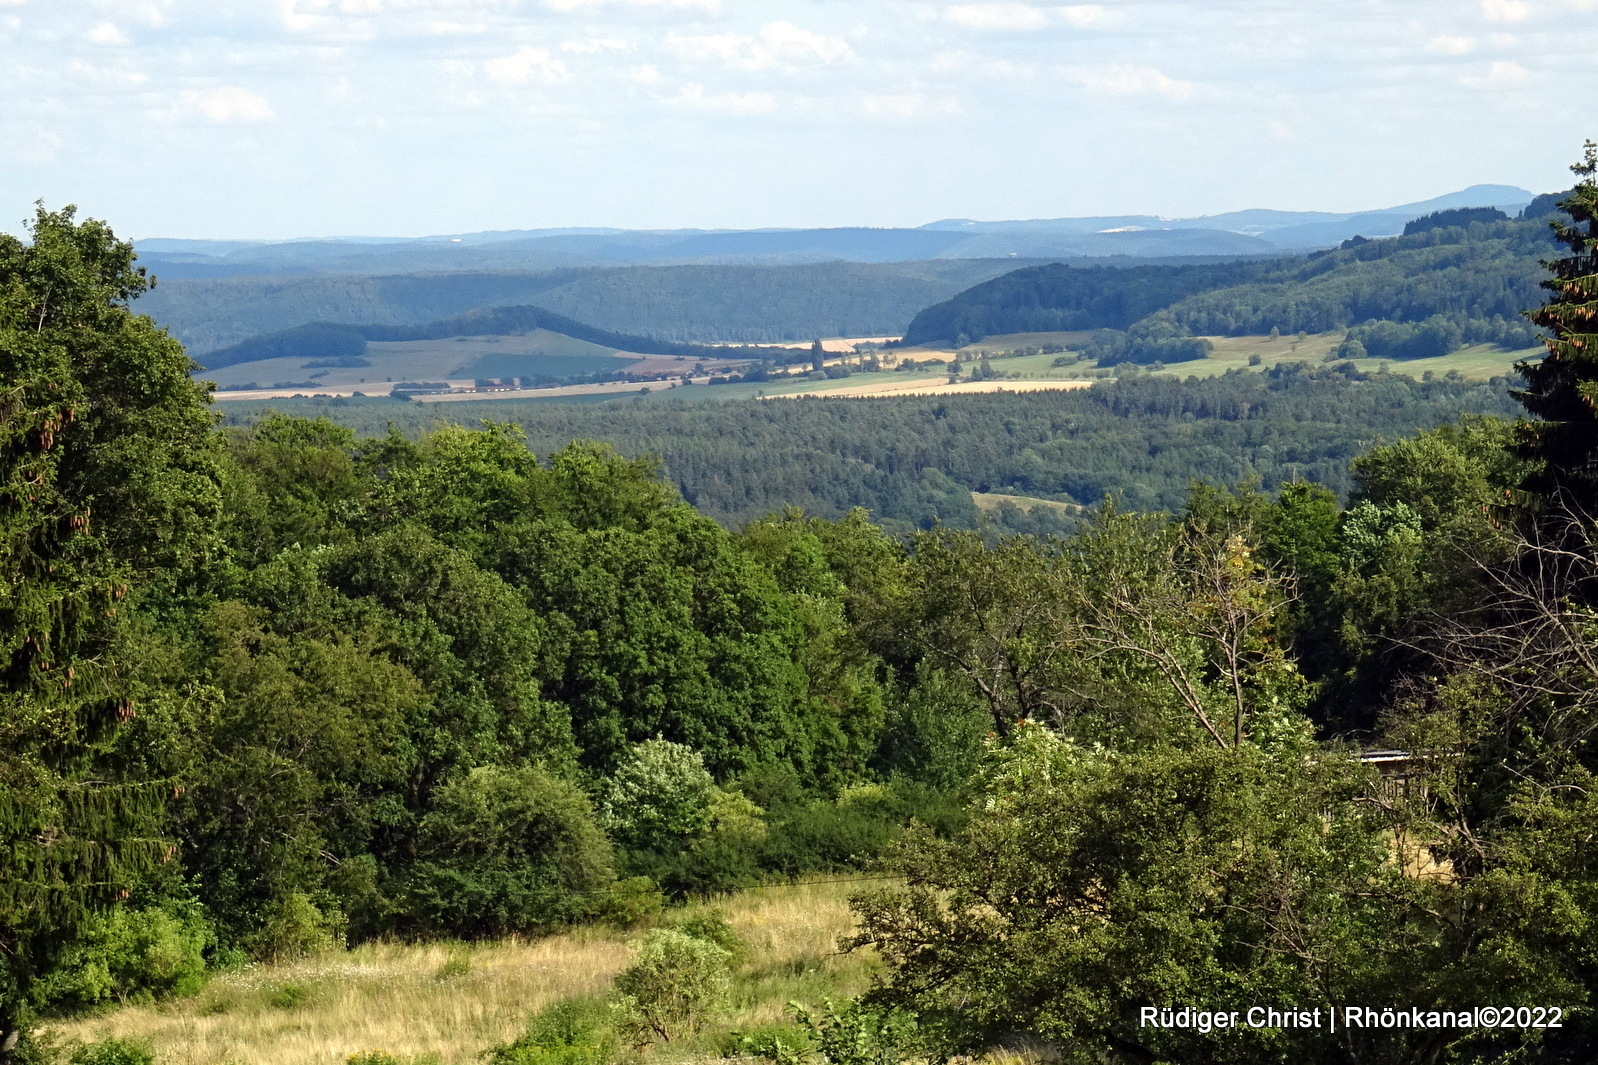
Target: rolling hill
1421, 294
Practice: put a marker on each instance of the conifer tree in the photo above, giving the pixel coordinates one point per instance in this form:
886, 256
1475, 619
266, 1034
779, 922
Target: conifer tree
1562, 388
106, 484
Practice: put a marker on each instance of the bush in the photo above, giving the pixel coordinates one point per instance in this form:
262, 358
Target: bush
113, 1052
132, 954
294, 926
857, 1034
712, 927
289, 996
659, 796
574, 1032
630, 902
502, 851
675, 984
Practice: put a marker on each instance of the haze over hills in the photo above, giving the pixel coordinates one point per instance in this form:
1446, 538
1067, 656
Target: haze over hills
1239, 233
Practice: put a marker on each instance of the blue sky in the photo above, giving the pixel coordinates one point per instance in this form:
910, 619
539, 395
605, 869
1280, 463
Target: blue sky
281, 118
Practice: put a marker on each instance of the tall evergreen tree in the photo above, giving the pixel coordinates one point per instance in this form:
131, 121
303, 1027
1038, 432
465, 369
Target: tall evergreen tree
106, 484
1562, 388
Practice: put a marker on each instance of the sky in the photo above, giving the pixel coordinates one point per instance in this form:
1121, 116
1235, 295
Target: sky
289, 118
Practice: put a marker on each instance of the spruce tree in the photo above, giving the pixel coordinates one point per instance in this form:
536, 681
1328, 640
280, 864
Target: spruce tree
1562, 388
107, 486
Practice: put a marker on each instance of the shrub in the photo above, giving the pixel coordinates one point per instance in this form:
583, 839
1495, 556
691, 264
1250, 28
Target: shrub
675, 983
133, 954
113, 1052
288, 996
712, 927
630, 902
574, 1032
294, 926
505, 850
857, 1034
660, 795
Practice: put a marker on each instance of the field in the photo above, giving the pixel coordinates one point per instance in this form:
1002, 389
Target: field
444, 1003
465, 358
991, 501
457, 359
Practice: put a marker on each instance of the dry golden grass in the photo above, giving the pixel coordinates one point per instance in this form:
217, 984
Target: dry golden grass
991, 501
445, 1003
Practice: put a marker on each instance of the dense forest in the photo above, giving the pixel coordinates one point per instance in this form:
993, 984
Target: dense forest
915, 461
1457, 279
276, 687
736, 304
322, 340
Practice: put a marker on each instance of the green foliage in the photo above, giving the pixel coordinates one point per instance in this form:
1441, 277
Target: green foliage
112, 1052
858, 1033
292, 926
107, 484
674, 985
326, 342
132, 954
1091, 881
573, 1032
712, 927
744, 303
504, 850
372, 1057
288, 996
913, 462
1443, 285
1041, 299
631, 901
1563, 385
658, 797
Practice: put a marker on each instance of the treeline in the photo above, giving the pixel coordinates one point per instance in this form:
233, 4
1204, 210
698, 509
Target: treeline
914, 461
1474, 277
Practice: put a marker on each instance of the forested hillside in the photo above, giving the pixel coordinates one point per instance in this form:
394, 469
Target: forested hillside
915, 461
320, 340
1428, 292
748, 304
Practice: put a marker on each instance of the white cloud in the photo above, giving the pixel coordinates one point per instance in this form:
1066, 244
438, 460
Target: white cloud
1505, 10
646, 75
224, 105
779, 44
1017, 17
975, 65
1507, 74
1447, 45
525, 65
1120, 80
107, 34
111, 76
590, 45
908, 105
694, 97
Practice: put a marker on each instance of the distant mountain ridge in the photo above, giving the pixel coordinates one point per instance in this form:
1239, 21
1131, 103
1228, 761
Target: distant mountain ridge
1248, 233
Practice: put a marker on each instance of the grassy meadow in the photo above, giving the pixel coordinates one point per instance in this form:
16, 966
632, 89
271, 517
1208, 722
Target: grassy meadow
445, 1003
